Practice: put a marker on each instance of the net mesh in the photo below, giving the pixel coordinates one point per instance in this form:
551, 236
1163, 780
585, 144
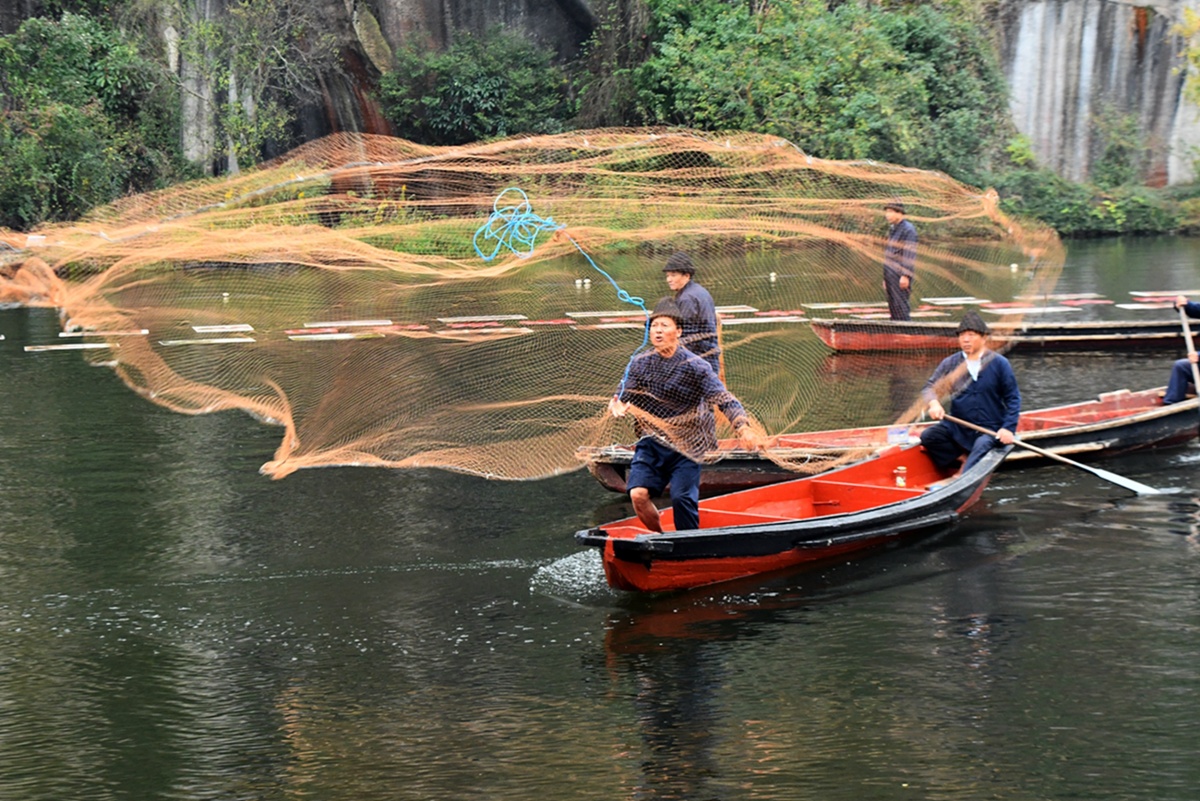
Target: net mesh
388, 305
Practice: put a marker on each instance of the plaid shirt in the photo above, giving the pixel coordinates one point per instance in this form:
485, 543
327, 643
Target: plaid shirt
680, 391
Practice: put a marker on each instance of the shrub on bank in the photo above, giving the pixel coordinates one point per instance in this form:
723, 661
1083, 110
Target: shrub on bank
84, 119
476, 89
1082, 210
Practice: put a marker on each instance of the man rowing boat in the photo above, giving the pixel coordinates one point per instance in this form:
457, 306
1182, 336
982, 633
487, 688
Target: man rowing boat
983, 390
1181, 371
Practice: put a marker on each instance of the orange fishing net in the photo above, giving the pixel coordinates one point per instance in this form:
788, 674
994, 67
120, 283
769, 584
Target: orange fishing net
363, 293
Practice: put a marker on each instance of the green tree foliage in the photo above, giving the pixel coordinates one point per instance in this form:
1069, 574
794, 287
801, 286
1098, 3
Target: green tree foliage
101, 9
86, 115
476, 89
84, 118
913, 85
58, 163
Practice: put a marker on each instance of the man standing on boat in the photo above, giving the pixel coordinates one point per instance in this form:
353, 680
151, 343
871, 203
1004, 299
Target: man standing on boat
1181, 370
699, 333
984, 391
672, 393
899, 260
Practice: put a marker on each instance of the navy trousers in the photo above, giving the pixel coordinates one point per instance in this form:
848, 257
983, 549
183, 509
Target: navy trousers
1181, 379
655, 466
897, 298
944, 449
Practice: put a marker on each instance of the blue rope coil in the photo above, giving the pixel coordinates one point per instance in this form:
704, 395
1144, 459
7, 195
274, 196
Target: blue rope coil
515, 227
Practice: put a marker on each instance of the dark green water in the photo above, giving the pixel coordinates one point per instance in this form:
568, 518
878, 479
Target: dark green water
173, 625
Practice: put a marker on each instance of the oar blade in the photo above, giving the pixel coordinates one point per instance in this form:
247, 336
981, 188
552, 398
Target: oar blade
1120, 481
1127, 483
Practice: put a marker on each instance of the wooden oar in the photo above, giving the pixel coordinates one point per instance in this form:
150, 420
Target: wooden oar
1191, 346
1121, 481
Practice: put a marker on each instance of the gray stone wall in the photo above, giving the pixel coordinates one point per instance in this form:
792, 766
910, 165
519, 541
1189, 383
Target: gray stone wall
1070, 61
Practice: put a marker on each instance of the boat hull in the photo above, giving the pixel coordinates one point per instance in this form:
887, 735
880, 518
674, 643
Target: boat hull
849, 510
1113, 423
876, 336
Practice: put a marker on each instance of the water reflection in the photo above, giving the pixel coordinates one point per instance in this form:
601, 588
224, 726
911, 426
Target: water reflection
173, 625
703, 710
675, 693
665, 651
1185, 518
892, 381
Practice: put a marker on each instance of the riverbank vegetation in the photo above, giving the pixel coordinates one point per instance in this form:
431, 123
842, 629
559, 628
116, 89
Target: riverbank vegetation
85, 118
90, 111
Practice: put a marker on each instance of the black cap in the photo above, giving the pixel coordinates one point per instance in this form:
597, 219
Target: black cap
895, 205
680, 263
971, 321
667, 307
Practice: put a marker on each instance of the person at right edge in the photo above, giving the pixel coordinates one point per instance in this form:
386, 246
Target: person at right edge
899, 260
1181, 371
983, 390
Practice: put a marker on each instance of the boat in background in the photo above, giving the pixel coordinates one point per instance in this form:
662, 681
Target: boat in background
1113, 423
896, 495
874, 336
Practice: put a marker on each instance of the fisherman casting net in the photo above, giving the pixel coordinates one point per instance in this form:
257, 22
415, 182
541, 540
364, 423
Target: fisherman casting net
474, 308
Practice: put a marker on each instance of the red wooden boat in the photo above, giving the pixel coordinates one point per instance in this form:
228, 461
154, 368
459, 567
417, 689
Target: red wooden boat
779, 526
1115, 422
873, 336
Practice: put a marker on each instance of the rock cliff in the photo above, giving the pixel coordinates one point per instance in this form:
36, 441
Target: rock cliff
1070, 62
368, 30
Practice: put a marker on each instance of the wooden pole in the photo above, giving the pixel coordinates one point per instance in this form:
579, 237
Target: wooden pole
1191, 347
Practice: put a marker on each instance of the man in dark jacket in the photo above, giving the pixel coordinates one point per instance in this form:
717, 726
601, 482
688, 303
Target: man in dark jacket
983, 390
899, 260
1181, 370
699, 334
673, 392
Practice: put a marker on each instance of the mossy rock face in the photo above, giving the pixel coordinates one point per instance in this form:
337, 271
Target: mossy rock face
371, 38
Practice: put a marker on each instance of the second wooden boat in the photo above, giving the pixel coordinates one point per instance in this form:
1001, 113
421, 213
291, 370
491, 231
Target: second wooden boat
1112, 423
874, 336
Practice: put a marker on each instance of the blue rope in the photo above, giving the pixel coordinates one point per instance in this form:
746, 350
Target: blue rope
516, 228
624, 297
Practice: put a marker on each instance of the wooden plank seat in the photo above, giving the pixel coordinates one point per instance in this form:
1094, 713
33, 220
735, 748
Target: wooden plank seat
836, 497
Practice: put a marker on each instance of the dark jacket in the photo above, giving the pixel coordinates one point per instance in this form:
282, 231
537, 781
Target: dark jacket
992, 401
900, 255
699, 328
